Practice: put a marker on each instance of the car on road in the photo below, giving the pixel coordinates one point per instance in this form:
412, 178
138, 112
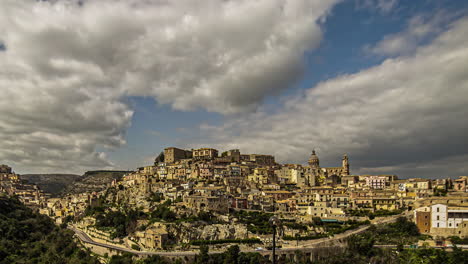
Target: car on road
271, 248
259, 249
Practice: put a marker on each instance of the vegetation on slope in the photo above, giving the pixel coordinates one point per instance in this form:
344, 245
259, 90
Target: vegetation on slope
232, 255
28, 237
93, 181
360, 248
51, 183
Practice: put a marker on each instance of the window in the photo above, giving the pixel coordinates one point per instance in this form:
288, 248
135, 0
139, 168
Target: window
437, 224
438, 210
437, 217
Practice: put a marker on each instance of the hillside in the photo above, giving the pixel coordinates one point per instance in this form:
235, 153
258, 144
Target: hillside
51, 183
28, 237
93, 181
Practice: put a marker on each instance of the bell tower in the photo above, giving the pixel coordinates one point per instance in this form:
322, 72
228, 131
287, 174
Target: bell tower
345, 165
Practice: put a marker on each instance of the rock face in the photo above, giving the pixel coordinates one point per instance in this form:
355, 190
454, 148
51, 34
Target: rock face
185, 232
51, 183
223, 231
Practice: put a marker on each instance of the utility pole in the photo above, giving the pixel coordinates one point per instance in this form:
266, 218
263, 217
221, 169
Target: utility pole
274, 222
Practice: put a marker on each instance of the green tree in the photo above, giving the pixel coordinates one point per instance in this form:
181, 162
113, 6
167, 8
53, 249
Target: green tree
458, 256
361, 244
155, 259
251, 258
232, 255
28, 237
203, 257
125, 258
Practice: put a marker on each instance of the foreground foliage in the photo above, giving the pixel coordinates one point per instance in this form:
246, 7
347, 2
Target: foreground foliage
28, 237
361, 248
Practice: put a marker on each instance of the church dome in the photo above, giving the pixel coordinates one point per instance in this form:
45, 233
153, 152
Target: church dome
313, 160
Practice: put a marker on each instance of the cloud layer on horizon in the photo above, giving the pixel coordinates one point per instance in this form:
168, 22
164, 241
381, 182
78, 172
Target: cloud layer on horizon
68, 65
406, 116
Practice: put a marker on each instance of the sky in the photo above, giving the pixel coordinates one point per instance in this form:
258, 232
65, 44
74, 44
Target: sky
108, 84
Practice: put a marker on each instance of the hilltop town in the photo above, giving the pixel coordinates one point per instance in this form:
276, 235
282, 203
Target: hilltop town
189, 198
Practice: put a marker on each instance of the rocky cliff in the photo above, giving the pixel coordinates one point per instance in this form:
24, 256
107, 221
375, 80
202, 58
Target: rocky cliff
186, 232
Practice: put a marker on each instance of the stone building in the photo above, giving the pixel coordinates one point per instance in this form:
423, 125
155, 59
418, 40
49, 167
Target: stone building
261, 176
205, 153
422, 217
263, 160
442, 220
154, 237
317, 175
172, 154
208, 203
376, 182
5, 169
232, 155
461, 184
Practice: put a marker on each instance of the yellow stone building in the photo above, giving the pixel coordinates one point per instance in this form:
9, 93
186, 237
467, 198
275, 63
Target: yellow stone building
317, 175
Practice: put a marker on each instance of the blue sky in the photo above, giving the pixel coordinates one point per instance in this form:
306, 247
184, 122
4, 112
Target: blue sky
110, 84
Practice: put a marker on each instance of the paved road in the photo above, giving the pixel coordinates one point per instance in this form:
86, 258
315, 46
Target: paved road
303, 246
347, 233
85, 238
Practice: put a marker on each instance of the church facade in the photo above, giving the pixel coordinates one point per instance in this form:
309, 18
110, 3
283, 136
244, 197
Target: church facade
318, 175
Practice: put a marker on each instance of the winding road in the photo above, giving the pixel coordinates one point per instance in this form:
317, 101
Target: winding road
304, 245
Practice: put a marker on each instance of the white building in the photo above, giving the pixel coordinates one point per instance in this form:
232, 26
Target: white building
449, 220
439, 215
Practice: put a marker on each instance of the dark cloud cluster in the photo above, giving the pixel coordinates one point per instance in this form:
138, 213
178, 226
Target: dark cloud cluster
69, 65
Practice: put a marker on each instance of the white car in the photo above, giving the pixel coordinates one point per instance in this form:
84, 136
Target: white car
259, 249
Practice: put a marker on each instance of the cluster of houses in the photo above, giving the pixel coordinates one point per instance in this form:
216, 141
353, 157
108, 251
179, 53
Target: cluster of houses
11, 184
205, 180
202, 180
199, 180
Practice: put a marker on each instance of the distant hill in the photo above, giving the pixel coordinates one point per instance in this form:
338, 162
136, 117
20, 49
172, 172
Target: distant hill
93, 181
51, 183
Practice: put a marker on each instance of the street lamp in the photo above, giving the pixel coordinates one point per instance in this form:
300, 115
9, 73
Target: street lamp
274, 222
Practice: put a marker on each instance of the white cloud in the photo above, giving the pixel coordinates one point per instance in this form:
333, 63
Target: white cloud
68, 65
381, 6
408, 110
417, 31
